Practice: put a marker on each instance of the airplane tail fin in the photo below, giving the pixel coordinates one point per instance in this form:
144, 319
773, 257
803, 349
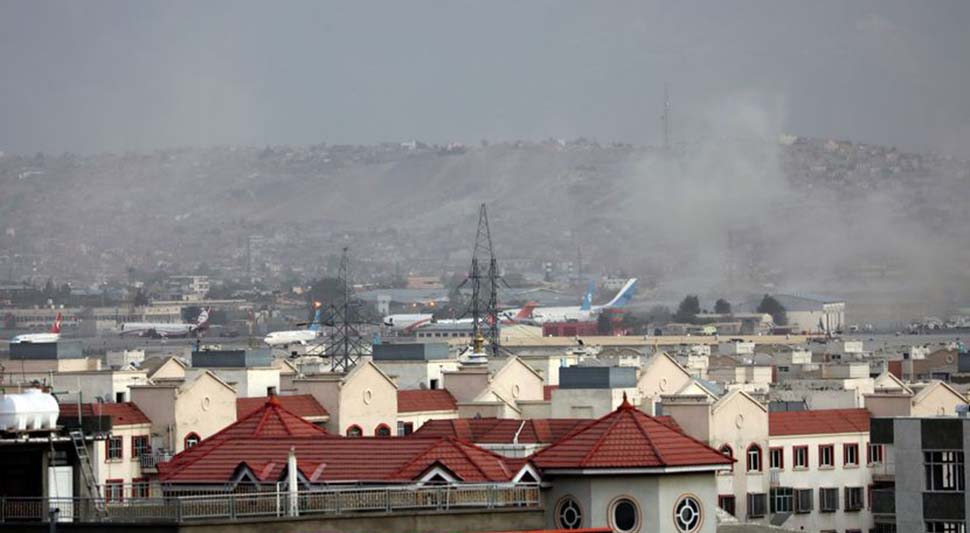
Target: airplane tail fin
315, 325
202, 321
56, 327
526, 311
588, 297
624, 296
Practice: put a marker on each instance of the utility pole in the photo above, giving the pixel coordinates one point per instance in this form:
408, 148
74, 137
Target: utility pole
486, 310
666, 118
346, 345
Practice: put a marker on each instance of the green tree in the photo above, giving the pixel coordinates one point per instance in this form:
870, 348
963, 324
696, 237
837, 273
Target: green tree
141, 299
774, 308
688, 309
722, 307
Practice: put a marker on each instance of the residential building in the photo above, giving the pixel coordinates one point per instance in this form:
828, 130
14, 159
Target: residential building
119, 444
184, 413
922, 486
593, 391
416, 407
361, 402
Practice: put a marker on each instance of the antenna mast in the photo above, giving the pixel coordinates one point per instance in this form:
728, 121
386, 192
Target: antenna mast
666, 118
487, 310
346, 345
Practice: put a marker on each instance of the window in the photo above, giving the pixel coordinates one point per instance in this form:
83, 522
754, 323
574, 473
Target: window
114, 490
624, 515
756, 504
874, 454
405, 428
688, 514
114, 449
854, 499
354, 431
139, 488
726, 502
754, 458
803, 500
140, 446
828, 500
727, 452
119, 397
850, 454
776, 458
383, 431
800, 457
781, 499
944, 471
192, 439
568, 513
826, 456
433, 384
945, 527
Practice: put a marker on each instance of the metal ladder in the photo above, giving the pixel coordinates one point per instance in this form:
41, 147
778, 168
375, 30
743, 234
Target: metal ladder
87, 472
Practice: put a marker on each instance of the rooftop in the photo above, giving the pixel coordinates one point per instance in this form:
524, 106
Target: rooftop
627, 438
818, 422
122, 414
302, 405
413, 401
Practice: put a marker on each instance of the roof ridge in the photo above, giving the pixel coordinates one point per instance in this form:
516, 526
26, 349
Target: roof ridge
602, 438
643, 431
433, 442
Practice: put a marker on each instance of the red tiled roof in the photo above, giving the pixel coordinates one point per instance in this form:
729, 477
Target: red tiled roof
627, 438
547, 391
261, 442
413, 401
819, 422
501, 430
122, 414
304, 405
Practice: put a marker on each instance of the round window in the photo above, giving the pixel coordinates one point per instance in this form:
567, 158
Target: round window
568, 513
368, 396
206, 402
515, 390
687, 514
624, 515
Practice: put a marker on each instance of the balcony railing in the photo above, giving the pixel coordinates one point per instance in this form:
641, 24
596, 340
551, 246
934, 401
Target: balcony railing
242, 506
150, 461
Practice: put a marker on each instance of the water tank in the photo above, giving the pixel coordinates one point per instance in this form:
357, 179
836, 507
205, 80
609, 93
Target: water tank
33, 409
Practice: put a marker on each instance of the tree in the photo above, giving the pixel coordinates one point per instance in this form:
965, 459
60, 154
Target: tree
774, 308
689, 308
722, 307
604, 324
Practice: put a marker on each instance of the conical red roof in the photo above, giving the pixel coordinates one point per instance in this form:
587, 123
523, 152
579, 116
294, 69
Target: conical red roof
627, 438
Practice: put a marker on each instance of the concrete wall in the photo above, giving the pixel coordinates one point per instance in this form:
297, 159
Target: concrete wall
158, 404
417, 374
249, 382
589, 403
204, 406
517, 381
908, 450
465, 385
104, 384
368, 400
659, 376
126, 468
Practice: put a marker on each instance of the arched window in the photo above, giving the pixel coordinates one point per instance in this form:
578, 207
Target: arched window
354, 431
191, 440
568, 513
754, 458
624, 515
383, 430
727, 452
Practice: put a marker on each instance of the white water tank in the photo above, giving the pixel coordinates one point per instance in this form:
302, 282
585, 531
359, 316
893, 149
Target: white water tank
33, 409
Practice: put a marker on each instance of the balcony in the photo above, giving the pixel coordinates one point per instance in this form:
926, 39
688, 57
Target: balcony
402, 499
885, 471
883, 502
149, 462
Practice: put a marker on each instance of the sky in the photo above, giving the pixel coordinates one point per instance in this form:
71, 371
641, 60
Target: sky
96, 75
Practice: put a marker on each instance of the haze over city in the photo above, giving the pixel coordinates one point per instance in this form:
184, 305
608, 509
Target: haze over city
618, 266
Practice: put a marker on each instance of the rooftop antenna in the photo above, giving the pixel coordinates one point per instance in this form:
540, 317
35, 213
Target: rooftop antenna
666, 118
346, 345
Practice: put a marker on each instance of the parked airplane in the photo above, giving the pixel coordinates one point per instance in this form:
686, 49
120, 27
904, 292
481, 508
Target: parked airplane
585, 312
53, 336
403, 322
297, 336
165, 329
